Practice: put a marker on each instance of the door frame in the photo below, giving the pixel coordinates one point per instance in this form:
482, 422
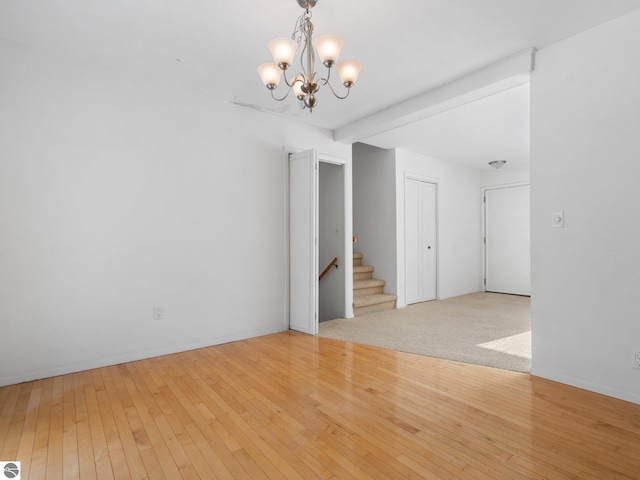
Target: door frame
347, 251
436, 182
483, 240
348, 229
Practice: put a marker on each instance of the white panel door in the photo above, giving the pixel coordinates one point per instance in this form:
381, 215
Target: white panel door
303, 252
420, 241
412, 242
429, 257
508, 240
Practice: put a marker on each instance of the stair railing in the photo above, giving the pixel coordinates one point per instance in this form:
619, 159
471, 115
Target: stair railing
333, 263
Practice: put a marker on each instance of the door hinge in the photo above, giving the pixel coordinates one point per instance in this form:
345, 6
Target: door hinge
484, 199
484, 240
485, 281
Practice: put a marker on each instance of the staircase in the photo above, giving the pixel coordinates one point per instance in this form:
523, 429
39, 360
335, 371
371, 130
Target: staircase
367, 291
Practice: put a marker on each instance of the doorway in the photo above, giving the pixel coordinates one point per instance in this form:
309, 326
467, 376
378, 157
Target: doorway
315, 230
421, 247
331, 298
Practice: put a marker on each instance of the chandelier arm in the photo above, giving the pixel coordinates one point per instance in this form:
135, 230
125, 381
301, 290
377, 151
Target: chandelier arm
280, 99
326, 82
284, 75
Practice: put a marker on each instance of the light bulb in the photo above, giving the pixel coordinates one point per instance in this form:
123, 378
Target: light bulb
348, 72
270, 75
328, 49
297, 87
283, 50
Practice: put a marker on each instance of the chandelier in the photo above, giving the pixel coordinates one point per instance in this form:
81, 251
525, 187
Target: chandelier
307, 82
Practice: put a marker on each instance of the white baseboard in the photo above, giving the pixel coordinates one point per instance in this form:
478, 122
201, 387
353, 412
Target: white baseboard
592, 387
443, 296
55, 371
446, 295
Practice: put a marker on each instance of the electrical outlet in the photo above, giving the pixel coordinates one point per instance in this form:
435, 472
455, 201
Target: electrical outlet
158, 313
636, 359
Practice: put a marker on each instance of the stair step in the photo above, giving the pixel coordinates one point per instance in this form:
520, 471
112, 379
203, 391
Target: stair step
362, 272
357, 259
368, 286
367, 300
365, 304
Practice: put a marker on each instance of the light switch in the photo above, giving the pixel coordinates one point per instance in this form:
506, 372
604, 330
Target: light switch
557, 219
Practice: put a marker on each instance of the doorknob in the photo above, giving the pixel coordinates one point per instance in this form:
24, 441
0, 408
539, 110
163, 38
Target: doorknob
429, 247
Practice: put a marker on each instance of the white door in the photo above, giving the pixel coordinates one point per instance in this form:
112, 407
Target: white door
303, 251
420, 241
507, 240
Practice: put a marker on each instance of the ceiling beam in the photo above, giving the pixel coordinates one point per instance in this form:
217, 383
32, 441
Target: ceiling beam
508, 73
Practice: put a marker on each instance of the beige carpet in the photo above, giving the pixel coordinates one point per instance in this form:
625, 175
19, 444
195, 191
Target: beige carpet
482, 328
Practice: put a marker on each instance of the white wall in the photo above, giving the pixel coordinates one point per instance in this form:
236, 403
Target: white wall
585, 119
459, 222
118, 194
374, 210
331, 241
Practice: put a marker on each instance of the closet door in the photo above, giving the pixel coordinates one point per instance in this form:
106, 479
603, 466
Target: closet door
420, 241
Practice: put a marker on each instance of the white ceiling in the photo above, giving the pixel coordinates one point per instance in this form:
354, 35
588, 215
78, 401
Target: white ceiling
407, 47
492, 128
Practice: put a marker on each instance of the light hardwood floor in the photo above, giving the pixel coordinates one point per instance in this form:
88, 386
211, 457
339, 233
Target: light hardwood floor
301, 407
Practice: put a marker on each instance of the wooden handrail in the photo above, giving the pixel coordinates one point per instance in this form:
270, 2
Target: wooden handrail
324, 272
